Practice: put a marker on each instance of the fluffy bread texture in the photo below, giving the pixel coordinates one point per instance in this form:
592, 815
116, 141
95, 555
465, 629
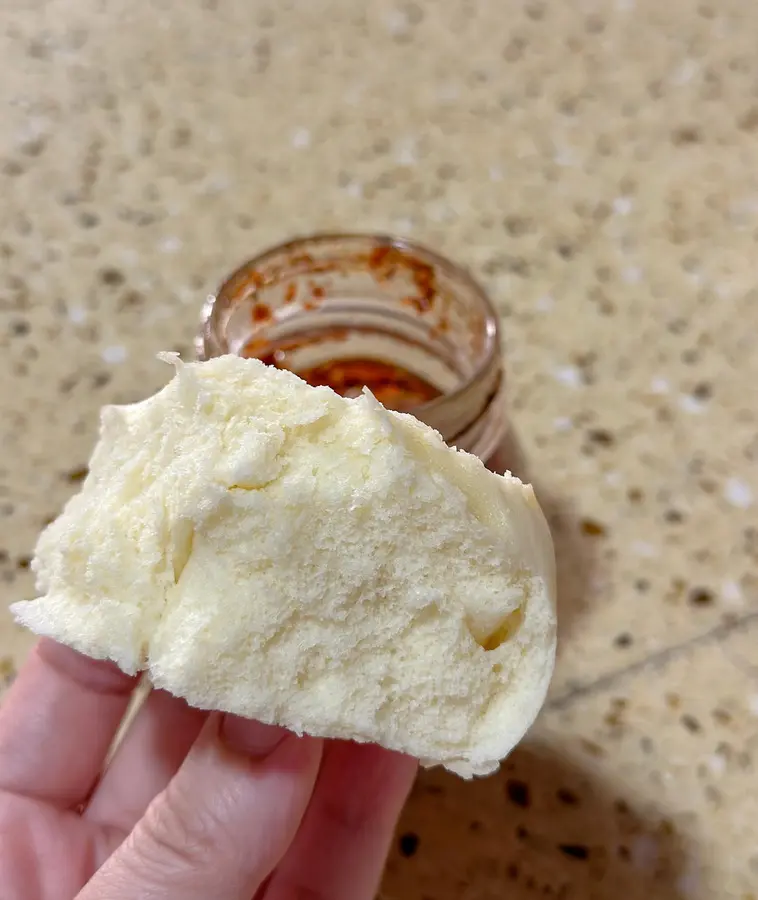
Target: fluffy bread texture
263, 547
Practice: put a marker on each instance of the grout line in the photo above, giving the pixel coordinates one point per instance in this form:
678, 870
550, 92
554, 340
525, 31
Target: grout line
655, 661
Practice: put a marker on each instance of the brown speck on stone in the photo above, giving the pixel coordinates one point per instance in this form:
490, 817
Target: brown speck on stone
604, 145
601, 436
686, 134
567, 106
594, 24
20, 328
575, 851
744, 761
677, 325
516, 226
182, 136
13, 168
673, 701
518, 792
700, 596
592, 528
131, 300
112, 277
614, 717
434, 790
76, 476
567, 797
7, 670
664, 414
515, 265
721, 716
535, 10
100, 379
24, 562
623, 640
88, 219
749, 121
514, 49
68, 384
408, 844
591, 748
34, 147
676, 591
691, 723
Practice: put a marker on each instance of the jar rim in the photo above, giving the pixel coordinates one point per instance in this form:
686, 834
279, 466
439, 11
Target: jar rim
483, 367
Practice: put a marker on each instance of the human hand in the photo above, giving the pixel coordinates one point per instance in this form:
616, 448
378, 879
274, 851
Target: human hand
194, 805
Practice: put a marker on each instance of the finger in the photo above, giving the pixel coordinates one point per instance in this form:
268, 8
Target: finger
342, 845
152, 751
57, 722
222, 824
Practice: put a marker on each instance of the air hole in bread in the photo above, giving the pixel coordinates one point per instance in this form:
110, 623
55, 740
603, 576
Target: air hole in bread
504, 631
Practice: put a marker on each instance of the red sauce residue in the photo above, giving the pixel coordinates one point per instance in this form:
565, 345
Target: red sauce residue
257, 348
384, 263
301, 259
426, 285
393, 386
378, 257
261, 313
420, 304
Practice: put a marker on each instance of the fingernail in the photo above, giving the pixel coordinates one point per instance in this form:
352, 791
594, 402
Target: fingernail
249, 737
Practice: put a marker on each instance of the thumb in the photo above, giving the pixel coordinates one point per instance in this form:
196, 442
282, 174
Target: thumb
224, 821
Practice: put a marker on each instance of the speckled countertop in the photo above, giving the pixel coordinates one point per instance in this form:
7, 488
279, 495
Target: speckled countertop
596, 164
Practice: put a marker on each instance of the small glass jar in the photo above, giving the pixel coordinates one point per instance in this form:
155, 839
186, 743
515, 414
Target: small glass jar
350, 310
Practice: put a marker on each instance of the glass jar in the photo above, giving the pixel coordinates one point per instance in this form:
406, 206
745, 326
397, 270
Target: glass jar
351, 310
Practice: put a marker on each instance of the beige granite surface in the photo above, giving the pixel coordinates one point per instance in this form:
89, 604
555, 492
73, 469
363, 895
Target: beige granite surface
595, 162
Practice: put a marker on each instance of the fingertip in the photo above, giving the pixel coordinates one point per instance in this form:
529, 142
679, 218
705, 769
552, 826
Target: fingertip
97, 675
249, 737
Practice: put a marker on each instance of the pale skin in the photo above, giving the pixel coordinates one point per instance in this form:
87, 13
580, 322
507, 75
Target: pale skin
192, 806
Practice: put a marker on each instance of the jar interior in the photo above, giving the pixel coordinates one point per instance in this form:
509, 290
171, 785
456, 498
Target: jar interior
357, 300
